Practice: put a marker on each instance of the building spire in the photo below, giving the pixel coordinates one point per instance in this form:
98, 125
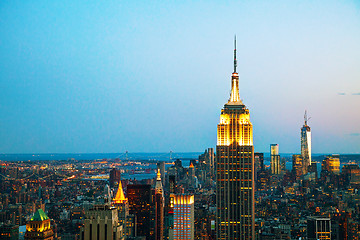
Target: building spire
235, 61
235, 93
158, 184
306, 119
158, 175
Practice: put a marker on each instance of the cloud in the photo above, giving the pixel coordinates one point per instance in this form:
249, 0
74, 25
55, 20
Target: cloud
341, 93
356, 93
354, 134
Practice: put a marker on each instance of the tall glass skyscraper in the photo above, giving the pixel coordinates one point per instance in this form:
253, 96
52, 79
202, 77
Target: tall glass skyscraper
235, 218
306, 145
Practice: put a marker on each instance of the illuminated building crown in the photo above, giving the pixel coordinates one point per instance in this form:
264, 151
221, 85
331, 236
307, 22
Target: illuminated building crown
158, 185
120, 197
235, 93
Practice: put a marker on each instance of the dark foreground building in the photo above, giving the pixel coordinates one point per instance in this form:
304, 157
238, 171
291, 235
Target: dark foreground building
141, 205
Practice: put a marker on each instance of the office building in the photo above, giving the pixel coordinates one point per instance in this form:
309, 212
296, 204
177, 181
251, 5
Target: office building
114, 177
101, 223
235, 216
183, 207
172, 183
351, 173
275, 165
318, 228
331, 164
9, 232
306, 145
297, 169
38, 228
141, 206
259, 161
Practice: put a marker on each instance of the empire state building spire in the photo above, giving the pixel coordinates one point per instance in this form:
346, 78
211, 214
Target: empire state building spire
235, 61
235, 93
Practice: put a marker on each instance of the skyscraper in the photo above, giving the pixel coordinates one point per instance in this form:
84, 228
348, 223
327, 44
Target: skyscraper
114, 177
183, 206
159, 208
101, 223
331, 164
297, 166
141, 205
306, 145
235, 218
275, 159
318, 228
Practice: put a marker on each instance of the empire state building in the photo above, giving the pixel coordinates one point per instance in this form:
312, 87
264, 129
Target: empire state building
235, 218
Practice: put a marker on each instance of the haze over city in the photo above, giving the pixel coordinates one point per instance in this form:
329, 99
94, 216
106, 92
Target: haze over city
152, 77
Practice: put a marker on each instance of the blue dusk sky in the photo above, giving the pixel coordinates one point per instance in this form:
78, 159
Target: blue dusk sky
152, 76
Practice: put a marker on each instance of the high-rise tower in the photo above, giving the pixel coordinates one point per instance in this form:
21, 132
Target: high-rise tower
275, 159
183, 206
159, 208
306, 145
235, 217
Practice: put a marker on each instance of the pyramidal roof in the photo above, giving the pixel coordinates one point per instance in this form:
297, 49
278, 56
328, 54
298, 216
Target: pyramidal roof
120, 197
39, 215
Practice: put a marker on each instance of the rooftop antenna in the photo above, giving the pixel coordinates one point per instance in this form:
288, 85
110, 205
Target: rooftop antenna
235, 62
306, 119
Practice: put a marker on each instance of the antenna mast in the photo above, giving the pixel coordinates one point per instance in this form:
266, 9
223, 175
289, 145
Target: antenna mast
235, 61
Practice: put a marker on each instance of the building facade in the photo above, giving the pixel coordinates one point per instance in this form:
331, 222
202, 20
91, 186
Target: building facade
275, 159
101, 223
235, 216
183, 207
319, 228
297, 169
141, 206
115, 177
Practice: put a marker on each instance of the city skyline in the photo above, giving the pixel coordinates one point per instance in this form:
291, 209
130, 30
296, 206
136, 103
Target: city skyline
152, 77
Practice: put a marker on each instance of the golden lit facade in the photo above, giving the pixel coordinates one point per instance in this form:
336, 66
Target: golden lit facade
297, 165
183, 206
235, 126
235, 169
332, 164
39, 227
